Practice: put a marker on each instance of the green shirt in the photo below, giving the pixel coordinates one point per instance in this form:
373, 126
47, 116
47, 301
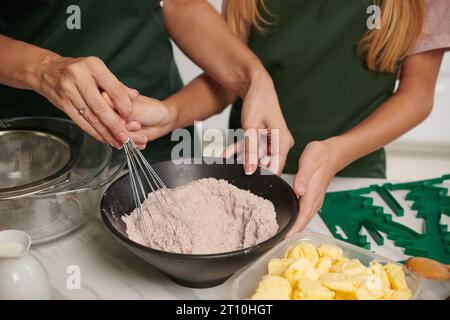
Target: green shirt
324, 87
129, 36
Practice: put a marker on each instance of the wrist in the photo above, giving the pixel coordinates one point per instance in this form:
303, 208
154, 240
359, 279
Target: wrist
174, 115
255, 76
35, 73
339, 152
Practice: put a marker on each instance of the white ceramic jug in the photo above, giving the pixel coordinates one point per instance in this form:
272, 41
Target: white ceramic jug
22, 276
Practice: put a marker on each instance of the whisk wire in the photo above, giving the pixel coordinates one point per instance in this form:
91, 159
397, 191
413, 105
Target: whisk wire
141, 172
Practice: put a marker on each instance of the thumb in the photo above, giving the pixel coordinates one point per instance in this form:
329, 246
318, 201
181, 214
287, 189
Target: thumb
300, 184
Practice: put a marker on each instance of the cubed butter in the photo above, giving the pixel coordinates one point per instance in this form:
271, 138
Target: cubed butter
273, 288
396, 276
277, 267
332, 251
300, 268
378, 270
307, 273
353, 266
303, 250
312, 290
338, 282
324, 265
405, 294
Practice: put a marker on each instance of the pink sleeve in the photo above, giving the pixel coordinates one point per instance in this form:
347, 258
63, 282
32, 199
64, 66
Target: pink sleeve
436, 33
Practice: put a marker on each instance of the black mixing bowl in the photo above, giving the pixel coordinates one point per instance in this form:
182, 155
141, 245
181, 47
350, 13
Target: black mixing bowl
201, 271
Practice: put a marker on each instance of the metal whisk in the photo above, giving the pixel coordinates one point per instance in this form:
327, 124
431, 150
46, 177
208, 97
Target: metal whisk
145, 180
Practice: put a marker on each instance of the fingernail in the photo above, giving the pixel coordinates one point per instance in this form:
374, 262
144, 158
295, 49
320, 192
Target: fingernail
136, 92
137, 124
123, 137
250, 169
301, 189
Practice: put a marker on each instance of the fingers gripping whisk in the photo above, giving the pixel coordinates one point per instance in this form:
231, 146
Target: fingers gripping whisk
151, 194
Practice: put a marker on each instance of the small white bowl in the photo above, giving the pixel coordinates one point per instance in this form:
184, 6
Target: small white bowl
22, 276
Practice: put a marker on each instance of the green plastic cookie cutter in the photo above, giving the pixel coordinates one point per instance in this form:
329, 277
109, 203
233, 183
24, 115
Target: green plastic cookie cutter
354, 210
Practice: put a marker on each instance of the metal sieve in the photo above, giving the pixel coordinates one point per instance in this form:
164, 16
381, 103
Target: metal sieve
32, 161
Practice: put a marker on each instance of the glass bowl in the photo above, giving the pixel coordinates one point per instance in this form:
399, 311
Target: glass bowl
56, 211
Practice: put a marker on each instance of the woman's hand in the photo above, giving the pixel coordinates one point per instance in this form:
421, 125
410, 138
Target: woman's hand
317, 167
261, 111
75, 86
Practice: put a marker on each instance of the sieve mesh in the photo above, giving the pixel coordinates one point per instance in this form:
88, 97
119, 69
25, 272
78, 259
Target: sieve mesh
31, 160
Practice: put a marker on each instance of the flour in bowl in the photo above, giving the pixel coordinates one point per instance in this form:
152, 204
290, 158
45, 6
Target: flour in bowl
217, 217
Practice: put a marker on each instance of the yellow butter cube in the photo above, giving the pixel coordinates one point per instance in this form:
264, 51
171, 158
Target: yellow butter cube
324, 265
364, 294
273, 288
300, 268
332, 251
312, 290
353, 266
303, 250
278, 266
405, 294
338, 282
341, 295
374, 286
378, 270
396, 276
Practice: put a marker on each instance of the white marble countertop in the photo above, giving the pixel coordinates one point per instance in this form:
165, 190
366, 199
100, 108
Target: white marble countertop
109, 271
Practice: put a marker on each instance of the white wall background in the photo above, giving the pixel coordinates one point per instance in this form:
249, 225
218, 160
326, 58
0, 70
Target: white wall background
435, 130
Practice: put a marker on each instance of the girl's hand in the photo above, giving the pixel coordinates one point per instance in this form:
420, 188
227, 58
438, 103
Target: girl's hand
261, 110
155, 119
317, 167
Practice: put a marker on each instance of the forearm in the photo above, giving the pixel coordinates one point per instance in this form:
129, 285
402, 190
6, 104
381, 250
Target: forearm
199, 100
390, 121
19, 63
403, 111
204, 36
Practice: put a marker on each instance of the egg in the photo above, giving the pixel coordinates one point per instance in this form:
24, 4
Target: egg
273, 288
312, 290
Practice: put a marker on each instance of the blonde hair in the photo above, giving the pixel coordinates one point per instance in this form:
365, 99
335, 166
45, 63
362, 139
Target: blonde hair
401, 26
243, 13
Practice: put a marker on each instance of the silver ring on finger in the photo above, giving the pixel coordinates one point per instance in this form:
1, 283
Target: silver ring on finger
82, 111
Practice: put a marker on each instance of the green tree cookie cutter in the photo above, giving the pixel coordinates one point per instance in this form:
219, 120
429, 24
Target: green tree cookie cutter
354, 210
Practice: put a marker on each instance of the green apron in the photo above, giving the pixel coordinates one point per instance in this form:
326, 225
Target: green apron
323, 86
129, 36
